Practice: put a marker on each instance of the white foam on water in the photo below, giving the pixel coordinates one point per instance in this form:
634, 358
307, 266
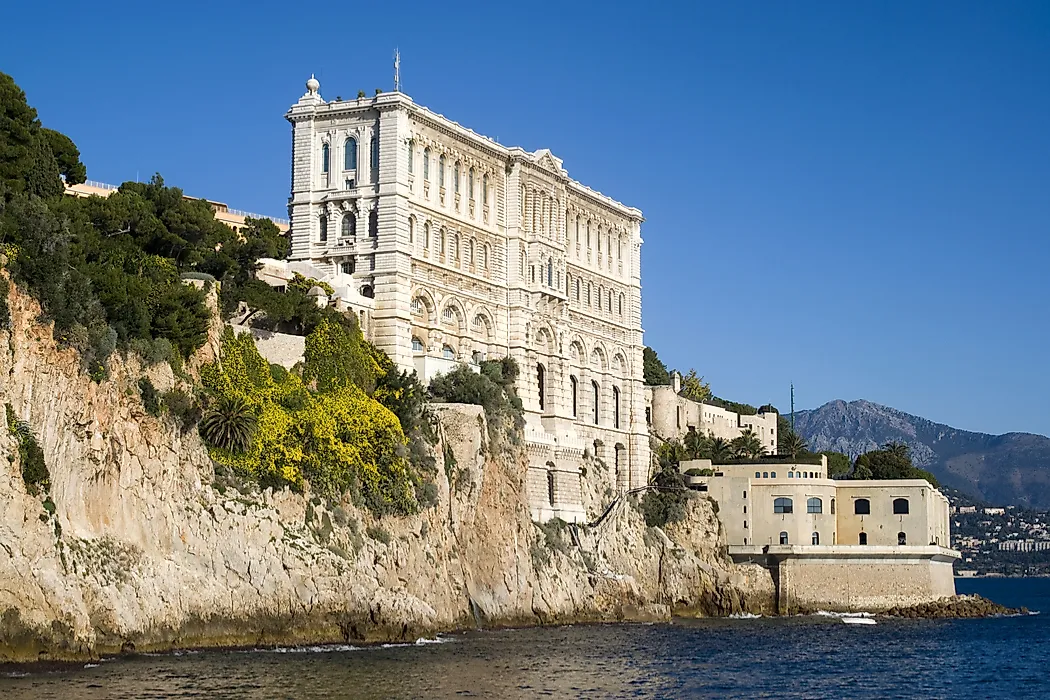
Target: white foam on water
321, 649
744, 616
828, 613
436, 640
91, 665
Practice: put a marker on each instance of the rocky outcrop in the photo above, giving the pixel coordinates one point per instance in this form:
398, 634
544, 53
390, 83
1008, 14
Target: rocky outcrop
139, 544
960, 606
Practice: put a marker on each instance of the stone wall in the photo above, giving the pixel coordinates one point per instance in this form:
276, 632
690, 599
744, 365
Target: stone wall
276, 348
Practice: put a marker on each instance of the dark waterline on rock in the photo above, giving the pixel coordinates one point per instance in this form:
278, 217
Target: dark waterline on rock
811, 656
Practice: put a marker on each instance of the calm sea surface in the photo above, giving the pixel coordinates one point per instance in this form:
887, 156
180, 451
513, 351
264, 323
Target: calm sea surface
801, 657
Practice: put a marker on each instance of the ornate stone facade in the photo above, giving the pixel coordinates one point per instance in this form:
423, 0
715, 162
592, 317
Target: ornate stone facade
454, 248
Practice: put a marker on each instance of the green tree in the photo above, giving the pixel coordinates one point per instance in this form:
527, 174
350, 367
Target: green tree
67, 156
335, 356
721, 450
654, 372
695, 388
229, 424
891, 461
748, 445
838, 464
27, 161
791, 443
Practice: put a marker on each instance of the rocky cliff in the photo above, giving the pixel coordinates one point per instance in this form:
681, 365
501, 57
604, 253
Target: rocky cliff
139, 544
1000, 469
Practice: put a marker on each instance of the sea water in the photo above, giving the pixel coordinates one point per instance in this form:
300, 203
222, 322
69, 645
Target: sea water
813, 656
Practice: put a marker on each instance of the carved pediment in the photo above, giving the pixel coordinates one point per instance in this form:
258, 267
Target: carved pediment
548, 161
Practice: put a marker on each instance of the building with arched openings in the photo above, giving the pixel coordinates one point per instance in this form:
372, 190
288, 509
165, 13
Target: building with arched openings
456, 249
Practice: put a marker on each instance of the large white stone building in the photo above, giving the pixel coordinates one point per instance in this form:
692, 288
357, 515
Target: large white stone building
453, 248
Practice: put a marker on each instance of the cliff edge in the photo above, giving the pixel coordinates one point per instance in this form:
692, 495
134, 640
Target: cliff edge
138, 544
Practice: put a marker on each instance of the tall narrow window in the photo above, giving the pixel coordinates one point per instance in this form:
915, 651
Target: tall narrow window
375, 150
588, 234
441, 243
470, 184
344, 228
455, 177
347, 267
902, 539
577, 231
324, 229
485, 189
373, 223
550, 486
599, 239
596, 392
326, 155
350, 154
816, 538
575, 388
616, 407
411, 157
426, 235
577, 289
541, 385
426, 164
470, 253
411, 230
619, 305
783, 537
863, 539
550, 273
441, 171
485, 257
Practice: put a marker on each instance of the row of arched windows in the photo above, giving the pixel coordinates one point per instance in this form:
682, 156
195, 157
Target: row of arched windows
577, 227
862, 506
469, 177
596, 392
350, 153
602, 299
348, 225
472, 255
815, 505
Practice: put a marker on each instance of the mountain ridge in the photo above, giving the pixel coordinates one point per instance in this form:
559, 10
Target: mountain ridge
1008, 469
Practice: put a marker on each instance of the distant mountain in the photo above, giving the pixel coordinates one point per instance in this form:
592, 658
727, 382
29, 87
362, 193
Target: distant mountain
1000, 469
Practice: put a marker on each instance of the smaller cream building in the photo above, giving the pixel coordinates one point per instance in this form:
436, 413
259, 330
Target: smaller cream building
835, 544
671, 416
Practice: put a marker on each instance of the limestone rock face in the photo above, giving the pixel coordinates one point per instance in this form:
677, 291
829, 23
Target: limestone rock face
138, 545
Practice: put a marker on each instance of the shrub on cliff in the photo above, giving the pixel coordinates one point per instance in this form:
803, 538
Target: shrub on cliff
34, 472
665, 502
338, 438
492, 388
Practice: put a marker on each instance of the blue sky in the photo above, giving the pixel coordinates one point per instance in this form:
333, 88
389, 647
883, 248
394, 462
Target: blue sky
854, 197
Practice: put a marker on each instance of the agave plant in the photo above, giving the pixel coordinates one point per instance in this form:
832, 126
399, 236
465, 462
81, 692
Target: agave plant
229, 423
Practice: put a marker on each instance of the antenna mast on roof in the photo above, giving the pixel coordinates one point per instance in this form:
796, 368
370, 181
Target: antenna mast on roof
397, 70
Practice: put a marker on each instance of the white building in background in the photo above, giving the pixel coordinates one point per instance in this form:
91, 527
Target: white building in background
453, 248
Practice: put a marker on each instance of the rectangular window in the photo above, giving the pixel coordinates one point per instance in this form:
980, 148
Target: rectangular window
745, 524
745, 509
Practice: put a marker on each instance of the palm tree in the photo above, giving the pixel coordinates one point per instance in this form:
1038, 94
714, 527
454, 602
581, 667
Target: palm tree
791, 443
697, 445
897, 449
721, 450
229, 424
748, 445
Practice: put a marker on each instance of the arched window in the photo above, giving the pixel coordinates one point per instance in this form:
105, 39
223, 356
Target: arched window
426, 164
814, 505
449, 315
772, 475
417, 344
783, 537
596, 393
367, 292
411, 229
441, 243
588, 294
862, 506
863, 539
455, 177
411, 157
902, 539
470, 184
417, 306
426, 235
765, 475
347, 267
588, 234
791, 475
758, 475
816, 538
350, 154
441, 170
324, 229
448, 353
347, 227
326, 156
783, 505
485, 189
573, 385
608, 301
453, 247
619, 306
470, 253
577, 231
616, 407
550, 273
485, 257
577, 290
541, 385
375, 150
832, 506
900, 506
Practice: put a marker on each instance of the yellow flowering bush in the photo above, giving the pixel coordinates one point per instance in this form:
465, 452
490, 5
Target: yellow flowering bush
338, 439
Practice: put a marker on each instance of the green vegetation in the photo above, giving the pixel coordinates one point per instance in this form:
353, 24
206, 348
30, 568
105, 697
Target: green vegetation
666, 501
891, 461
492, 388
229, 423
654, 372
838, 464
150, 397
695, 388
34, 472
